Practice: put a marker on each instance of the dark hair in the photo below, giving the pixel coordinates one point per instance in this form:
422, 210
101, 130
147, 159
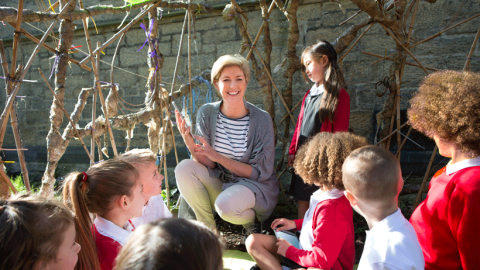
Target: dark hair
174, 243
334, 80
447, 104
104, 182
31, 231
320, 160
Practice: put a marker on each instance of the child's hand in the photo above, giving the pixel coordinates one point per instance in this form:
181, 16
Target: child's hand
282, 224
282, 245
291, 159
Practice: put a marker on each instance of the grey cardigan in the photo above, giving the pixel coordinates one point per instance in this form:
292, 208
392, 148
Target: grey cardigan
260, 155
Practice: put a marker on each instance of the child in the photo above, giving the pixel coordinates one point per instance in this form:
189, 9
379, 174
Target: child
145, 162
373, 180
172, 244
327, 237
325, 108
36, 233
113, 191
447, 109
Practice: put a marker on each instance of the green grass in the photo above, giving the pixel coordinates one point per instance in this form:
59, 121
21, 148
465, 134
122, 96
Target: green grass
18, 183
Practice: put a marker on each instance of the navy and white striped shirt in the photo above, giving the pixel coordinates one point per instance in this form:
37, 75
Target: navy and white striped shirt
231, 138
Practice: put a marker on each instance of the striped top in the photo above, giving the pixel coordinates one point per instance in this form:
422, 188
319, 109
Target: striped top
231, 138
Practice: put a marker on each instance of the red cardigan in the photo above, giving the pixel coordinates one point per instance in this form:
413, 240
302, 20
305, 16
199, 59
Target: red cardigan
107, 249
334, 244
340, 121
447, 223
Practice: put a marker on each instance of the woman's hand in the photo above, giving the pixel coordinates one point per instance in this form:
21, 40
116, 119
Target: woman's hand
291, 159
206, 149
282, 224
282, 246
184, 131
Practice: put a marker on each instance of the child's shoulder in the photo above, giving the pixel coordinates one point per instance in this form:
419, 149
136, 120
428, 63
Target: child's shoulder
333, 209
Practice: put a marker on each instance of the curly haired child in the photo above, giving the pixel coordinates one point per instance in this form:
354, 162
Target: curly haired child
145, 162
113, 192
325, 108
167, 244
446, 108
327, 237
36, 233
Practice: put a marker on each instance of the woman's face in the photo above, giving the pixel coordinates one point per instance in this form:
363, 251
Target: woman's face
232, 84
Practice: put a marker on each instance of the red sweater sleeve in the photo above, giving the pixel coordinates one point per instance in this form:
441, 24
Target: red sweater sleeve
298, 223
464, 218
329, 233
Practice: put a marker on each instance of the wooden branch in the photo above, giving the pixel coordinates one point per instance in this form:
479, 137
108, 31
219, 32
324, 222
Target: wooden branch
6, 111
403, 47
443, 31
239, 9
390, 135
7, 180
119, 33
34, 39
351, 17
389, 58
472, 49
66, 114
8, 14
356, 41
178, 55
343, 41
259, 33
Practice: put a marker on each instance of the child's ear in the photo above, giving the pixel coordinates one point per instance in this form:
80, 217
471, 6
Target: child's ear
124, 202
324, 60
350, 198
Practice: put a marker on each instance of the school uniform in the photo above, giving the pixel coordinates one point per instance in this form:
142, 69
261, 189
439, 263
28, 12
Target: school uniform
309, 124
392, 244
327, 239
109, 240
447, 221
154, 210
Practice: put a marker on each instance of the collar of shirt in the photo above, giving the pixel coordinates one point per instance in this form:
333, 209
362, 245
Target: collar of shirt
391, 222
316, 90
109, 229
463, 165
321, 195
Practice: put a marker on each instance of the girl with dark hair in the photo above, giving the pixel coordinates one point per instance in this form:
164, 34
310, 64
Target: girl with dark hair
113, 191
325, 108
176, 243
36, 233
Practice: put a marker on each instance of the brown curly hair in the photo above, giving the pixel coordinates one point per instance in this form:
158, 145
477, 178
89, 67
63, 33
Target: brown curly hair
447, 104
320, 160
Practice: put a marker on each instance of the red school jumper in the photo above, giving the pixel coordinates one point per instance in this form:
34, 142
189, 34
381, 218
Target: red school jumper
341, 120
447, 223
334, 242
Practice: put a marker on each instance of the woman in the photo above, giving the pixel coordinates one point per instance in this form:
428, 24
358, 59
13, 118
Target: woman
231, 169
447, 109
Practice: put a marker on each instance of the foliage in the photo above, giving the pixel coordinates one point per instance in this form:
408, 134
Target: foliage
174, 194
18, 183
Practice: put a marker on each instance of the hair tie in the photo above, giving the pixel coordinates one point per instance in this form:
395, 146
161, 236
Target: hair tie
84, 177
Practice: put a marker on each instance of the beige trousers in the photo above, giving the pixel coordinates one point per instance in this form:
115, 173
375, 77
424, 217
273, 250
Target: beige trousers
204, 194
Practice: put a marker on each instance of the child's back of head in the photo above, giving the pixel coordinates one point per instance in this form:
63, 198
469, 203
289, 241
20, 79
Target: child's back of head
97, 191
172, 244
320, 160
32, 230
373, 174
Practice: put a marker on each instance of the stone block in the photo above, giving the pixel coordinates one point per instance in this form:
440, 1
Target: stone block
130, 57
208, 23
361, 123
165, 48
231, 47
220, 35
170, 28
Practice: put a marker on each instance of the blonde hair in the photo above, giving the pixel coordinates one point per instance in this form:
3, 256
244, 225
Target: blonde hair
228, 61
320, 160
139, 157
372, 173
31, 231
94, 192
172, 244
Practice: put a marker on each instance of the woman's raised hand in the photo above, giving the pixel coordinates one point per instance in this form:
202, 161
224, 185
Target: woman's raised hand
184, 130
282, 224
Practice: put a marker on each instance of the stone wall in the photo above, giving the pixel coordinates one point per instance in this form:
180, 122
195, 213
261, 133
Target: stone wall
215, 37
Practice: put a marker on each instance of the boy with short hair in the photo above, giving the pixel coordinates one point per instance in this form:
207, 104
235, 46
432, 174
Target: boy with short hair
145, 162
373, 179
